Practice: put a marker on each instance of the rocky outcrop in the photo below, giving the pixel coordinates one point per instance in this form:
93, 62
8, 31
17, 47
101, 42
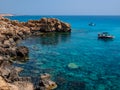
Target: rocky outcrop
16, 85
3, 84
46, 83
22, 51
10, 79
48, 25
10, 33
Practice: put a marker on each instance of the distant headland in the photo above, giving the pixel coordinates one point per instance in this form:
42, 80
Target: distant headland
5, 14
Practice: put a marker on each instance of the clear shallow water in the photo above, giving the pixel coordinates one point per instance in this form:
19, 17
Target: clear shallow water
98, 60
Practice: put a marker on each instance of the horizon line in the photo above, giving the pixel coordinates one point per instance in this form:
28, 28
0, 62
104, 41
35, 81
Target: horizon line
58, 15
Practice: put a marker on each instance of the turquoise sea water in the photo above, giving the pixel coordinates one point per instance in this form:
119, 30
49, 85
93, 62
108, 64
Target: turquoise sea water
98, 60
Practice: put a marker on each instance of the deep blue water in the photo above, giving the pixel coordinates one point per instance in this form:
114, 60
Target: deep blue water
98, 60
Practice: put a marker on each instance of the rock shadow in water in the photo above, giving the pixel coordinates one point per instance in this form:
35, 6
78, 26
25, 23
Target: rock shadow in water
54, 38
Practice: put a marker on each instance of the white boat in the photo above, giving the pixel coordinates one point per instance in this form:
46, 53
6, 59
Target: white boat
92, 24
105, 35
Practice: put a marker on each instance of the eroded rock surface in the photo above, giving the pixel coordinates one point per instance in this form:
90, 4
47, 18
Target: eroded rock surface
48, 25
10, 33
46, 83
10, 79
12, 30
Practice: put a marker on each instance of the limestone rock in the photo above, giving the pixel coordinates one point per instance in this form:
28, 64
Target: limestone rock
73, 66
22, 51
48, 25
11, 31
1, 58
7, 42
19, 85
3, 84
23, 85
46, 83
45, 76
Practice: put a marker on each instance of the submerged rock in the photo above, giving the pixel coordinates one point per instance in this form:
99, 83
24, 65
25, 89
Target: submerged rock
73, 66
101, 87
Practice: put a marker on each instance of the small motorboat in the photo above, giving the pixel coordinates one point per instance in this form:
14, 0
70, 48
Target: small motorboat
92, 24
105, 35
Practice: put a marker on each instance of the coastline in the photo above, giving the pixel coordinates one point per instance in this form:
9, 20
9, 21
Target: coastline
2, 15
12, 31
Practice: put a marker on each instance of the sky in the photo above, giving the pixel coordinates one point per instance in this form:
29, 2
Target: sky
60, 7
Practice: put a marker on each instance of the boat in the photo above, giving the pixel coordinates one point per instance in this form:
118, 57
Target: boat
92, 24
105, 35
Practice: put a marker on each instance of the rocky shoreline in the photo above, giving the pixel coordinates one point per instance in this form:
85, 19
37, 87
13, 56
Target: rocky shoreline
11, 31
